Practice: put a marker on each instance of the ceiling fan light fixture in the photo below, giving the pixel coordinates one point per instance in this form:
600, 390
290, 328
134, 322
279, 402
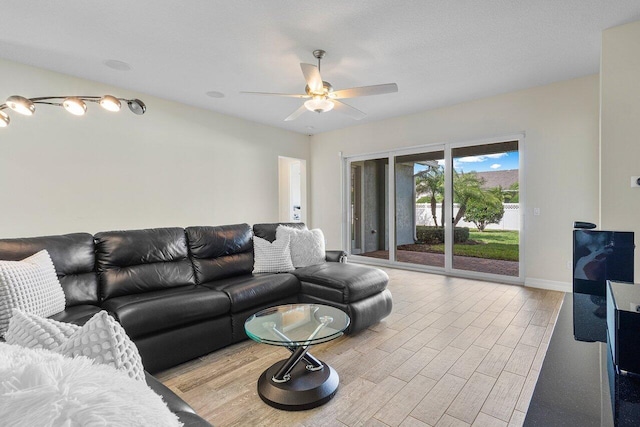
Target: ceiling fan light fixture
75, 106
110, 103
21, 105
319, 104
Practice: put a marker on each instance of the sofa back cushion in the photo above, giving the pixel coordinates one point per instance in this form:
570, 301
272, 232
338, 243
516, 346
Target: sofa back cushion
73, 257
268, 231
222, 251
136, 261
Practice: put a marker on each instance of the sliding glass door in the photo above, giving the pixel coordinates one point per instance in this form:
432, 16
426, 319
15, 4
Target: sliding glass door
486, 214
419, 208
451, 208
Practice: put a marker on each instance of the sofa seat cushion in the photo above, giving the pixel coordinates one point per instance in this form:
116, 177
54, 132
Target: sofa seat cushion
344, 283
143, 314
77, 314
253, 290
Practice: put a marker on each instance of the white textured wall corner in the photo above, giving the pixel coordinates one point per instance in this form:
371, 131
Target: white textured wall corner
620, 130
560, 152
174, 166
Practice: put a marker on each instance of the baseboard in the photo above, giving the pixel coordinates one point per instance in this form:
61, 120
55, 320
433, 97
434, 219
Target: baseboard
550, 285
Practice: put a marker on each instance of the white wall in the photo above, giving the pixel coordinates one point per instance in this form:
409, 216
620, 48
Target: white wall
560, 155
174, 166
620, 130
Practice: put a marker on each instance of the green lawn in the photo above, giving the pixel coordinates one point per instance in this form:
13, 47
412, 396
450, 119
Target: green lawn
494, 244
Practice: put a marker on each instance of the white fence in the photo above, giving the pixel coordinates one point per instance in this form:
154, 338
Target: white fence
510, 220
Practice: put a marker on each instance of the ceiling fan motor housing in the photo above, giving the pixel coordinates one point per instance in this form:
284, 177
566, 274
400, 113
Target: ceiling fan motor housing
327, 88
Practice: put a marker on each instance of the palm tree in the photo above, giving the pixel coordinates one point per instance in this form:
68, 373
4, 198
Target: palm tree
431, 182
466, 187
511, 195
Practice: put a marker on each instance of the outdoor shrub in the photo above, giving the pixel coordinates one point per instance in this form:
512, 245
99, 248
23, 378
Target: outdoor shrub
485, 210
435, 235
460, 234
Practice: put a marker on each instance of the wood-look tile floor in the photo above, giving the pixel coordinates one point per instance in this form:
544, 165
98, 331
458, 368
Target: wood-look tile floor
453, 352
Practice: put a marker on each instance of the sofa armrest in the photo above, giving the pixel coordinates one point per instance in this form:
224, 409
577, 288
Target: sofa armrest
336, 256
185, 413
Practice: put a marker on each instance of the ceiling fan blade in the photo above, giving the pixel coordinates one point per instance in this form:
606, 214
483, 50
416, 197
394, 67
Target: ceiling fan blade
313, 78
348, 110
296, 113
286, 95
365, 91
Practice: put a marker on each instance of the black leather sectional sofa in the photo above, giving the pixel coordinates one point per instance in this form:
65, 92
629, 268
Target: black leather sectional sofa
182, 293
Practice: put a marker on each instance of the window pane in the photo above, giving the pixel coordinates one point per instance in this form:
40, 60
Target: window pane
419, 194
369, 207
486, 209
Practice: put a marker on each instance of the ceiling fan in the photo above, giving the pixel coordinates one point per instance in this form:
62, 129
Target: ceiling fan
321, 97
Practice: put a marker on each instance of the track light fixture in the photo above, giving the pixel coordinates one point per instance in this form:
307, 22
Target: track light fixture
76, 105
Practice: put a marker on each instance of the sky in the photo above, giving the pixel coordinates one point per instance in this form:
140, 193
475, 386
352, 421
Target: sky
489, 162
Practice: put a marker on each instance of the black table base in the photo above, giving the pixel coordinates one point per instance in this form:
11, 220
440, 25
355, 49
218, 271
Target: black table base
305, 389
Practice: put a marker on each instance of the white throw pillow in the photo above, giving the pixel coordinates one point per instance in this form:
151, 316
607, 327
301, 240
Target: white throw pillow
30, 285
272, 257
307, 246
104, 340
31, 331
42, 388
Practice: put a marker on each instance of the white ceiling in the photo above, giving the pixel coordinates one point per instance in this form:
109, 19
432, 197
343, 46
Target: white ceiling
439, 52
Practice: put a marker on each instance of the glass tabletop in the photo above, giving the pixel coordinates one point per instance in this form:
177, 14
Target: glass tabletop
295, 325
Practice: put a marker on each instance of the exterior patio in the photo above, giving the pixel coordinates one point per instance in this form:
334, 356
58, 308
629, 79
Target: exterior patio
482, 265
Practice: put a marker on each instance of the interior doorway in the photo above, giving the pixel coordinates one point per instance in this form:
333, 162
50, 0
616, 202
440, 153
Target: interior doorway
292, 179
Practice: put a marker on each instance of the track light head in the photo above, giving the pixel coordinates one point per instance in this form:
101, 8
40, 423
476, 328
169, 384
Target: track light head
136, 106
4, 119
75, 106
21, 105
110, 103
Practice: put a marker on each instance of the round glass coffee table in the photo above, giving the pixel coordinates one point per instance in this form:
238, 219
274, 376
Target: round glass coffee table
289, 384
